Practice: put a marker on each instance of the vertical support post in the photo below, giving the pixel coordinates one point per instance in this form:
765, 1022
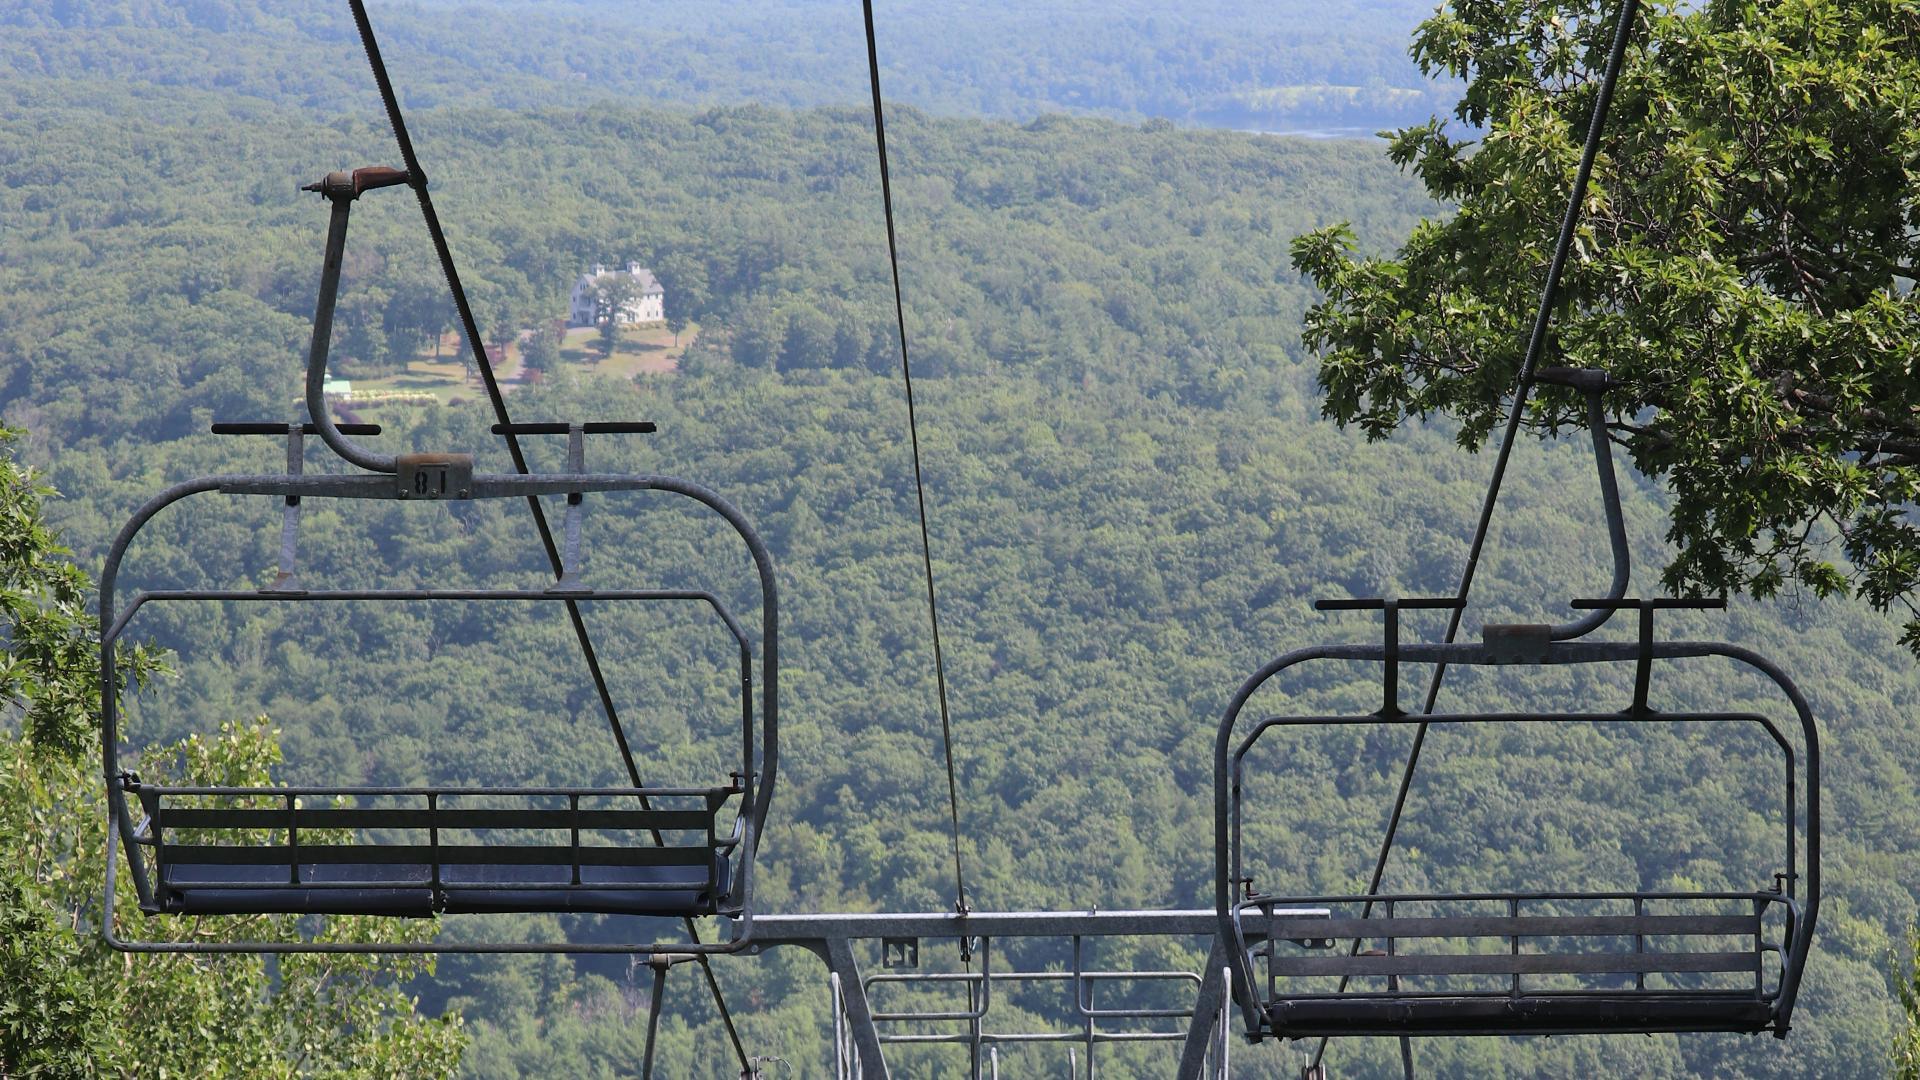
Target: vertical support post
1390, 706
1086, 1014
433, 842
285, 580
1643, 669
837, 1008
1224, 1064
573, 819
1513, 912
293, 837
866, 1039
570, 542
974, 999
1393, 949
1639, 941
1209, 1008
660, 964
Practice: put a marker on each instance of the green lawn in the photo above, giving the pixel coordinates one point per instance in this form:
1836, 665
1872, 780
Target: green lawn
640, 350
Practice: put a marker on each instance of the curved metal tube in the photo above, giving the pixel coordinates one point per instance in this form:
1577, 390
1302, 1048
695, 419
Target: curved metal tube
1225, 852
761, 794
323, 338
1616, 525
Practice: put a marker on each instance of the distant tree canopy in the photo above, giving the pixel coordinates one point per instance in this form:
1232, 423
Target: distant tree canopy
1744, 269
1132, 507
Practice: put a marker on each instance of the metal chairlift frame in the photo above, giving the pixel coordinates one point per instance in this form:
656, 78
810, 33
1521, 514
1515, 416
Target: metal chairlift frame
979, 1037
430, 478
1514, 1009
860, 1042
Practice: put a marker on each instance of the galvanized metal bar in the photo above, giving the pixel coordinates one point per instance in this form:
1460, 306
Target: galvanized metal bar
292, 850
1397, 963
433, 842
163, 790
1209, 1012
810, 929
141, 599
838, 953
296, 854
654, 1001
1087, 1028
837, 1010
1073, 1038
288, 577
1513, 914
1504, 997
1472, 926
1223, 1064
429, 818
1640, 939
1311, 903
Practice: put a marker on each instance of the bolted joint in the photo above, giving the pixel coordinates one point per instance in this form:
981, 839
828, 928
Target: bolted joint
342, 186
1586, 380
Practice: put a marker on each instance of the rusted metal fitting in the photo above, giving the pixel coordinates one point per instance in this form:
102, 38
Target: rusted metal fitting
342, 186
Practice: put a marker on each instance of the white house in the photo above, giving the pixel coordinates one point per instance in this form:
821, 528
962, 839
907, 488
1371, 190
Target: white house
647, 305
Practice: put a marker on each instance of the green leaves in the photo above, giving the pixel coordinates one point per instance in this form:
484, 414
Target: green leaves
69, 1006
1906, 1050
1741, 270
48, 667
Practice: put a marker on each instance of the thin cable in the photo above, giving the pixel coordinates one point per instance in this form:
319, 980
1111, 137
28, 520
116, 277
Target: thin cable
471, 329
418, 181
919, 484
1536, 344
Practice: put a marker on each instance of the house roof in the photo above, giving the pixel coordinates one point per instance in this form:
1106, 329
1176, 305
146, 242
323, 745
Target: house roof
642, 276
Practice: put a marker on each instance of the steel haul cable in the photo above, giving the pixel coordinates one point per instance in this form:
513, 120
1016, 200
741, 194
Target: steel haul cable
919, 485
1536, 344
471, 329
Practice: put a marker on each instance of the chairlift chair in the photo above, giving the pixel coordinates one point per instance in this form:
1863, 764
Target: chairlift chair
1634, 961
326, 850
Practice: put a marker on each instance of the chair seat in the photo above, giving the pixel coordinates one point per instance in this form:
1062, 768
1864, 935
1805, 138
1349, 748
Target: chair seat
405, 889
475, 889
1529, 1014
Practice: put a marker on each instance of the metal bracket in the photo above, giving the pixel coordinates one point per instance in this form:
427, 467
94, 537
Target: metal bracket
1391, 607
287, 580
434, 476
1517, 643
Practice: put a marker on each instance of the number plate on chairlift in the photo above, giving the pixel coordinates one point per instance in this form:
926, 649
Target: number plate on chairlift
900, 952
435, 476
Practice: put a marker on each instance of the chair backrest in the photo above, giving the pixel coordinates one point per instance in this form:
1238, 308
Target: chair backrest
1537, 945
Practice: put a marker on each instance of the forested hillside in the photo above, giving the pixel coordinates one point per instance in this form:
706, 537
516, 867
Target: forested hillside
1133, 502
1229, 63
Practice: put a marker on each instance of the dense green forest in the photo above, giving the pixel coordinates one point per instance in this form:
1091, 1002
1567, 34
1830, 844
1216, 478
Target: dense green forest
1228, 63
1133, 502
